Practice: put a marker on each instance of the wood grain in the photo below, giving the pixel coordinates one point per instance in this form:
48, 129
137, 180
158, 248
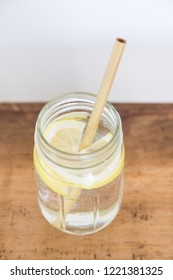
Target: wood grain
144, 226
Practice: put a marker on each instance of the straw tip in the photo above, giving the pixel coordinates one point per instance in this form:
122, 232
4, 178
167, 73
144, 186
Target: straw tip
121, 40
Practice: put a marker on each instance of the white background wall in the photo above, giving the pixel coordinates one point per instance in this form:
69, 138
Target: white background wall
48, 47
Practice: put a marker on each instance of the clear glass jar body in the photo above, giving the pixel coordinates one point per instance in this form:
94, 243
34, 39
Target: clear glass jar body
90, 199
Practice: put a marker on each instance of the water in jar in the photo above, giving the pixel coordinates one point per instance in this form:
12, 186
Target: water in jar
80, 210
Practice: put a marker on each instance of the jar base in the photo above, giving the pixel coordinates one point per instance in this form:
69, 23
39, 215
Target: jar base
83, 223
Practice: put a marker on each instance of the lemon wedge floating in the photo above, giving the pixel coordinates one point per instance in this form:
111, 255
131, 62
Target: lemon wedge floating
66, 135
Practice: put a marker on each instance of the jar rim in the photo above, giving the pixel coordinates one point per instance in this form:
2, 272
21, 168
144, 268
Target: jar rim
75, 156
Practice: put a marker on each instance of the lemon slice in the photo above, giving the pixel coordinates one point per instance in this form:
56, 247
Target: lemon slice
49, 176
66, 135
98, 144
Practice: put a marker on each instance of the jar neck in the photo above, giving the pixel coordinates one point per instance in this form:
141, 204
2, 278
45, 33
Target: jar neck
79, 103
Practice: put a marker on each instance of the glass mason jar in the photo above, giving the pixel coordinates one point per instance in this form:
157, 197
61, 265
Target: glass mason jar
79, 193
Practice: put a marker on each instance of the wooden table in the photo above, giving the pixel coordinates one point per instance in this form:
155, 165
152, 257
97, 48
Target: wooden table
144, 227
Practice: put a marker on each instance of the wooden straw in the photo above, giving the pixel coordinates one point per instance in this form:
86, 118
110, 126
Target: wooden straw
94, 121
103, 94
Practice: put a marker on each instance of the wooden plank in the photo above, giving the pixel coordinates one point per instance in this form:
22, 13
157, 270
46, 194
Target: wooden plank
144, 226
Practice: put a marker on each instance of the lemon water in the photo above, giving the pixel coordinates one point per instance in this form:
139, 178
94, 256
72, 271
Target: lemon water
94, 199
90, 212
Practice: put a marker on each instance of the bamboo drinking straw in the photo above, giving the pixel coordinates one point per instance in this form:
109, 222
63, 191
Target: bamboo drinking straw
103, 93
94, 119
